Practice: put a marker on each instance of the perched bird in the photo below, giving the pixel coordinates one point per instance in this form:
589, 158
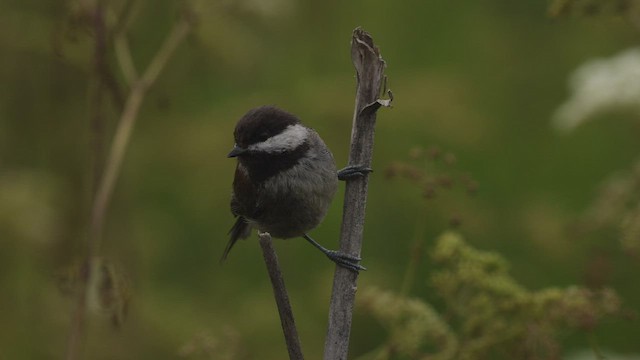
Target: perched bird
285, 180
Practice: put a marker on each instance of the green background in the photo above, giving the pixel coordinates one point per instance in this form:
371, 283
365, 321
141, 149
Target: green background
478, 79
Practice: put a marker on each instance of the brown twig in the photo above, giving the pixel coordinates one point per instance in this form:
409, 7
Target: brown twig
370, 76
125, 127
282, 299
121, 43
76, 335
101, 72
112, 169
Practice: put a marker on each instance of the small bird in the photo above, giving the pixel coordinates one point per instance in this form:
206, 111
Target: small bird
284, 181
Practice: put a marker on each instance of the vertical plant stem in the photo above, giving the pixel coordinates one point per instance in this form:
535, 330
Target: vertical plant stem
125, 128
282, 299
369, 67
76, 335
417, 253
113, 165
97, 95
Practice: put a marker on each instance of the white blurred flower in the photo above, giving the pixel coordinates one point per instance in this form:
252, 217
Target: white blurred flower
600, 85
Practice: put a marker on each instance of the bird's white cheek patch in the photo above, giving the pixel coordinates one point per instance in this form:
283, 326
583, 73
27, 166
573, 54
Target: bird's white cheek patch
292, 137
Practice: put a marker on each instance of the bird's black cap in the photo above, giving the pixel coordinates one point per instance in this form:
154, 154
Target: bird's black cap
261, 123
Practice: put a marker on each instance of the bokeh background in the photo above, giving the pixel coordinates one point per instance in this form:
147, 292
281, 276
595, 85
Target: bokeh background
479, 81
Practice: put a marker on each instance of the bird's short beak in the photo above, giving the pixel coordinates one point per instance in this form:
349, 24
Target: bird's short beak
236, 151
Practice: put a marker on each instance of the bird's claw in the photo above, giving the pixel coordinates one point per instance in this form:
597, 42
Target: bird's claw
345, 260
353, 171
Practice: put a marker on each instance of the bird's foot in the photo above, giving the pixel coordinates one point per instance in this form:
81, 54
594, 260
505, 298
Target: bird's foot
341, 259
353, 171
345, 260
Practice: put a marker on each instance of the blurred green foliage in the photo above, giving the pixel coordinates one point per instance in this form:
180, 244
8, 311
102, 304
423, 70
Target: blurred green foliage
480, 79
488, 314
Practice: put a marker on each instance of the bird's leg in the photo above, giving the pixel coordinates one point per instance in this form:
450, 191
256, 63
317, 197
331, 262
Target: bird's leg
353, 171
341, 259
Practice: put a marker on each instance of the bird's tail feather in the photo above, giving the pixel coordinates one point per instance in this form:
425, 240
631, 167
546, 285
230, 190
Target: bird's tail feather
239, 230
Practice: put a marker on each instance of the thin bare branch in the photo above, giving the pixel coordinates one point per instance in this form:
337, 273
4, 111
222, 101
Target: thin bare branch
126, 15
97, 121
125, 126
123, 54
370, 75
113, 165
282, 298
179, 32
121, 42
